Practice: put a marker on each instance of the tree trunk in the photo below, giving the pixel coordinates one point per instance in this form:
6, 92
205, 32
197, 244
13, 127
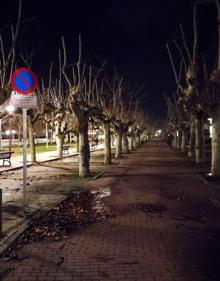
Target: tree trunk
77, 142
84, 150
19, 135
191, 151
107, 139
175, 140
178, 139
32, 141
69, 137
46, 135
125, 143
135, 142
118, 151
215, 169
112, 140
139, 140
199, 143
60, 141
183, 141
131, 143
51, 136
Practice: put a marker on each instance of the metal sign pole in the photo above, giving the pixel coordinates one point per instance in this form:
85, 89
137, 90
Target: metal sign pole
0, 133
24, 82
24, 114
46, 129
0, 213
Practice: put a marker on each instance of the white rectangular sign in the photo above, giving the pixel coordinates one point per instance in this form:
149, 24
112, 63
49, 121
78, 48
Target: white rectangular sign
23, 101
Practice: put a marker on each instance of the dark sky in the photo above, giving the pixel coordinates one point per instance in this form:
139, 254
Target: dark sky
130, 34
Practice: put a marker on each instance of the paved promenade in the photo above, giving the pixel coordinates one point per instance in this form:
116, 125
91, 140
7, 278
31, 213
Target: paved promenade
164, 225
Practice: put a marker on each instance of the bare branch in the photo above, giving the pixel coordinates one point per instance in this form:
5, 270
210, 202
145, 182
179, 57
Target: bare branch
64, 62
172, 63
185, 44
196, 34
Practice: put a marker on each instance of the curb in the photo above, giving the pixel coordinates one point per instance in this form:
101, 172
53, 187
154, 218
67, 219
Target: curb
9, 239
204, 181
98, 175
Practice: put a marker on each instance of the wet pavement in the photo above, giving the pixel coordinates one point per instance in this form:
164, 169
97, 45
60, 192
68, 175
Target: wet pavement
152, 219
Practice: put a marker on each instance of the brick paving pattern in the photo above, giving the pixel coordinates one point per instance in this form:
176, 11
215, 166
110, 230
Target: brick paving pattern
178, 243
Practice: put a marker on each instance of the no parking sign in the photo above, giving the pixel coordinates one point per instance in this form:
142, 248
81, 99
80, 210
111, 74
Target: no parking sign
24, 81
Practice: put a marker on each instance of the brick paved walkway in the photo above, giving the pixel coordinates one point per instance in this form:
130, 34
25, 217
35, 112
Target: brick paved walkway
179, 244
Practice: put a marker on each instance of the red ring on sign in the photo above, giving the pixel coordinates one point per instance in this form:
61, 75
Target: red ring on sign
34, 77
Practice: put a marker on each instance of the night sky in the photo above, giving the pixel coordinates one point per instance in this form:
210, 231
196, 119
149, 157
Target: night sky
131, 35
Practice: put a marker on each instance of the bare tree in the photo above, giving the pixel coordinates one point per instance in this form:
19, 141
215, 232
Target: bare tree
7, 59
83, 101
215, 107
191, 94
107, 103
56, 112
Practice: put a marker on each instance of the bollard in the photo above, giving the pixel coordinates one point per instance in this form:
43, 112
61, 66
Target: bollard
0, 213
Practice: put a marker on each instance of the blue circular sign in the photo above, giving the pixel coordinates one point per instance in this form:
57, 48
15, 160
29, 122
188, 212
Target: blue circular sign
24, 81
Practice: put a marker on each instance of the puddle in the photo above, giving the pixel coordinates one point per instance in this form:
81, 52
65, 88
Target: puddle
199, 219
154, 209
98, 204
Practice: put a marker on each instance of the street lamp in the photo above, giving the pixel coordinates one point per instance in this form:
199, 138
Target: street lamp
210, 126
10, 109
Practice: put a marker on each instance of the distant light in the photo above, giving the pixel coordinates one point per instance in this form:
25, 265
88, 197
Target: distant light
156, 134
7, 132
10, 108
210, 174
159, 131
177, 133
210, 120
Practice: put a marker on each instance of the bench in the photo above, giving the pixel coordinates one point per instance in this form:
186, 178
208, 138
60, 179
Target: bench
6, 156
65, 149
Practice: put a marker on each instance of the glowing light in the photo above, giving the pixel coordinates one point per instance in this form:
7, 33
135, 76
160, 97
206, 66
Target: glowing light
10, 108
210, 120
